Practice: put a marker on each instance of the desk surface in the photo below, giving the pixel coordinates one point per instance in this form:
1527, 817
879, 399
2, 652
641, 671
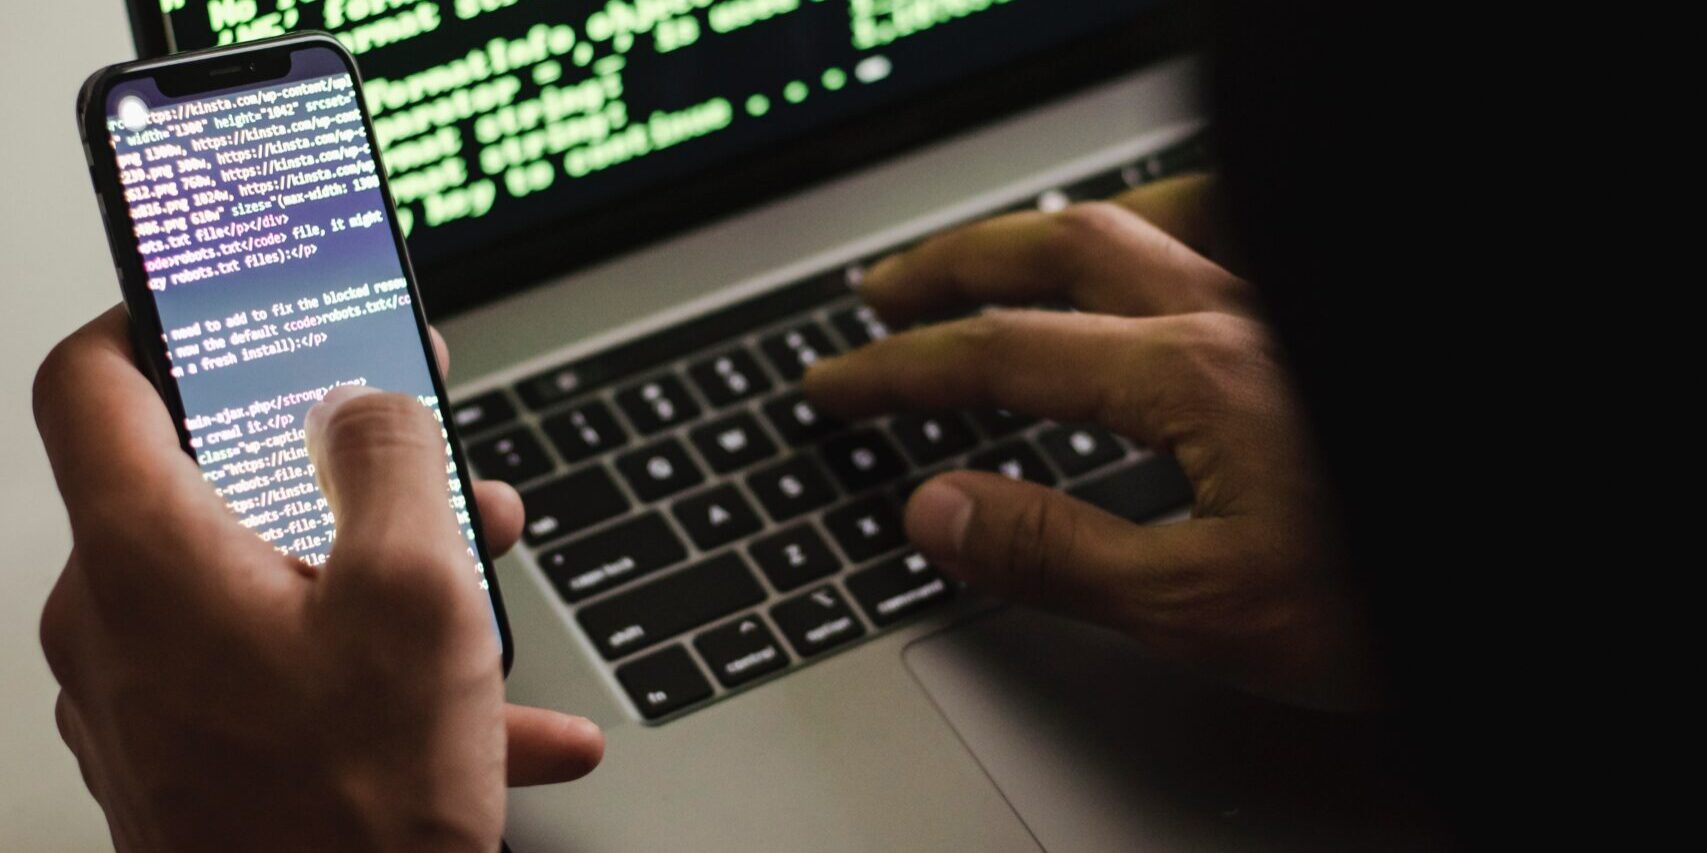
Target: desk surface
56, 274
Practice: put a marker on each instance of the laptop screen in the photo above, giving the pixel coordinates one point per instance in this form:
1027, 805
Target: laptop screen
498, 119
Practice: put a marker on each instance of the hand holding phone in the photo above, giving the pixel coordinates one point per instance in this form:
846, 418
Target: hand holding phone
222, 691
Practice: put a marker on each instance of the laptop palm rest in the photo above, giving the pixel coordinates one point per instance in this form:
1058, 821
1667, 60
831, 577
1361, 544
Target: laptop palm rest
1098, 748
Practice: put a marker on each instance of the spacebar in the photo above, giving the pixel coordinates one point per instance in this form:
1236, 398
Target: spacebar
660, 610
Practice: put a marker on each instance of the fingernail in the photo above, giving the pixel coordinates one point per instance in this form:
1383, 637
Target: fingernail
322, 411
938, 517
883, 269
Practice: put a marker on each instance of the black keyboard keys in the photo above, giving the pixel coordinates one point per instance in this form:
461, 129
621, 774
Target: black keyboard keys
741, 651
1016, 460
717, 517
798, 421
929, 439
483, 413
571, 504
615, 556
663, 682
859, 326
817, 621
513, 456
1080, 449
584, 432
791, 488
733, 443
794, 557
796, 349
646, 615
863, 459
1140, 492
658, 405
730, 378
895, 589
660, 470
866, 528
999, 423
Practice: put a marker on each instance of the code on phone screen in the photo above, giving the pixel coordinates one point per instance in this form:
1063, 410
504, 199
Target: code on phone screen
265, 238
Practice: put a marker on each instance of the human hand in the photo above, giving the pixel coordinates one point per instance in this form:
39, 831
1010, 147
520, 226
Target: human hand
1168, 352
219, 695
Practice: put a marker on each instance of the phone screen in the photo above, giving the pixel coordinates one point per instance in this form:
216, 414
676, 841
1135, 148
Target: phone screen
269, 254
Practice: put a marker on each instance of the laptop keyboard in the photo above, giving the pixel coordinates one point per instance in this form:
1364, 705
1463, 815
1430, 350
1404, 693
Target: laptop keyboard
709, 528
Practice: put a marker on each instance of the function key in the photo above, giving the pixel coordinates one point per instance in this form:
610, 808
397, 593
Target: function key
584, 432
866, 528
1140, 492
817, 621
571, 504
730, 378
1016, 460
859, 325
863, 459
929, 439
798, 421
613, 557
741, 651
1000, 423
551, 387
792, 488
646, 615
663, 682
796, 349
660, 470
658, 405
894, 589
733, 443
717, 517
794, 557
1105, 185
1081, 449
514, 456
483, 412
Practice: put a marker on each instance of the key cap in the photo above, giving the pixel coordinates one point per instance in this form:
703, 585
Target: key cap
733, 443
796, 349
1016, 460
513, 456
866, 528
625, 552
730, 378
817, 621
657, 405
997, 423
895, 589
859, 326
797, 421
1080, 449
571, 504
660, 470
1140, 492
650, 614
863, 459
929, 439
791, 488
741, 651
482, 413
1098, 187
716, 518
584, 432
794, 557
663, 682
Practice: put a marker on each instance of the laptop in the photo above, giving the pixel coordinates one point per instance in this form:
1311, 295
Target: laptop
638, 223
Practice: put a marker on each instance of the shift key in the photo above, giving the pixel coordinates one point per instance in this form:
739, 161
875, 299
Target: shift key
653, 613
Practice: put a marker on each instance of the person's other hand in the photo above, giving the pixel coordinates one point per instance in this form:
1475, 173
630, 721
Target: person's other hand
1167, 352
219, 695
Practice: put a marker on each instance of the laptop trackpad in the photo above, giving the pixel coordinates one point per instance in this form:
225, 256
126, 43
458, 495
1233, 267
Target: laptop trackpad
1099, 749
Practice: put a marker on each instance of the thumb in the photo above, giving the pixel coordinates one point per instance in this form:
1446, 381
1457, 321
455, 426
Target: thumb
1036, 546
381, 462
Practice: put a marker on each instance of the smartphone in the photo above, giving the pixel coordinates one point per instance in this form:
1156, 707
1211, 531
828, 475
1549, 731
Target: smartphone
262, 263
